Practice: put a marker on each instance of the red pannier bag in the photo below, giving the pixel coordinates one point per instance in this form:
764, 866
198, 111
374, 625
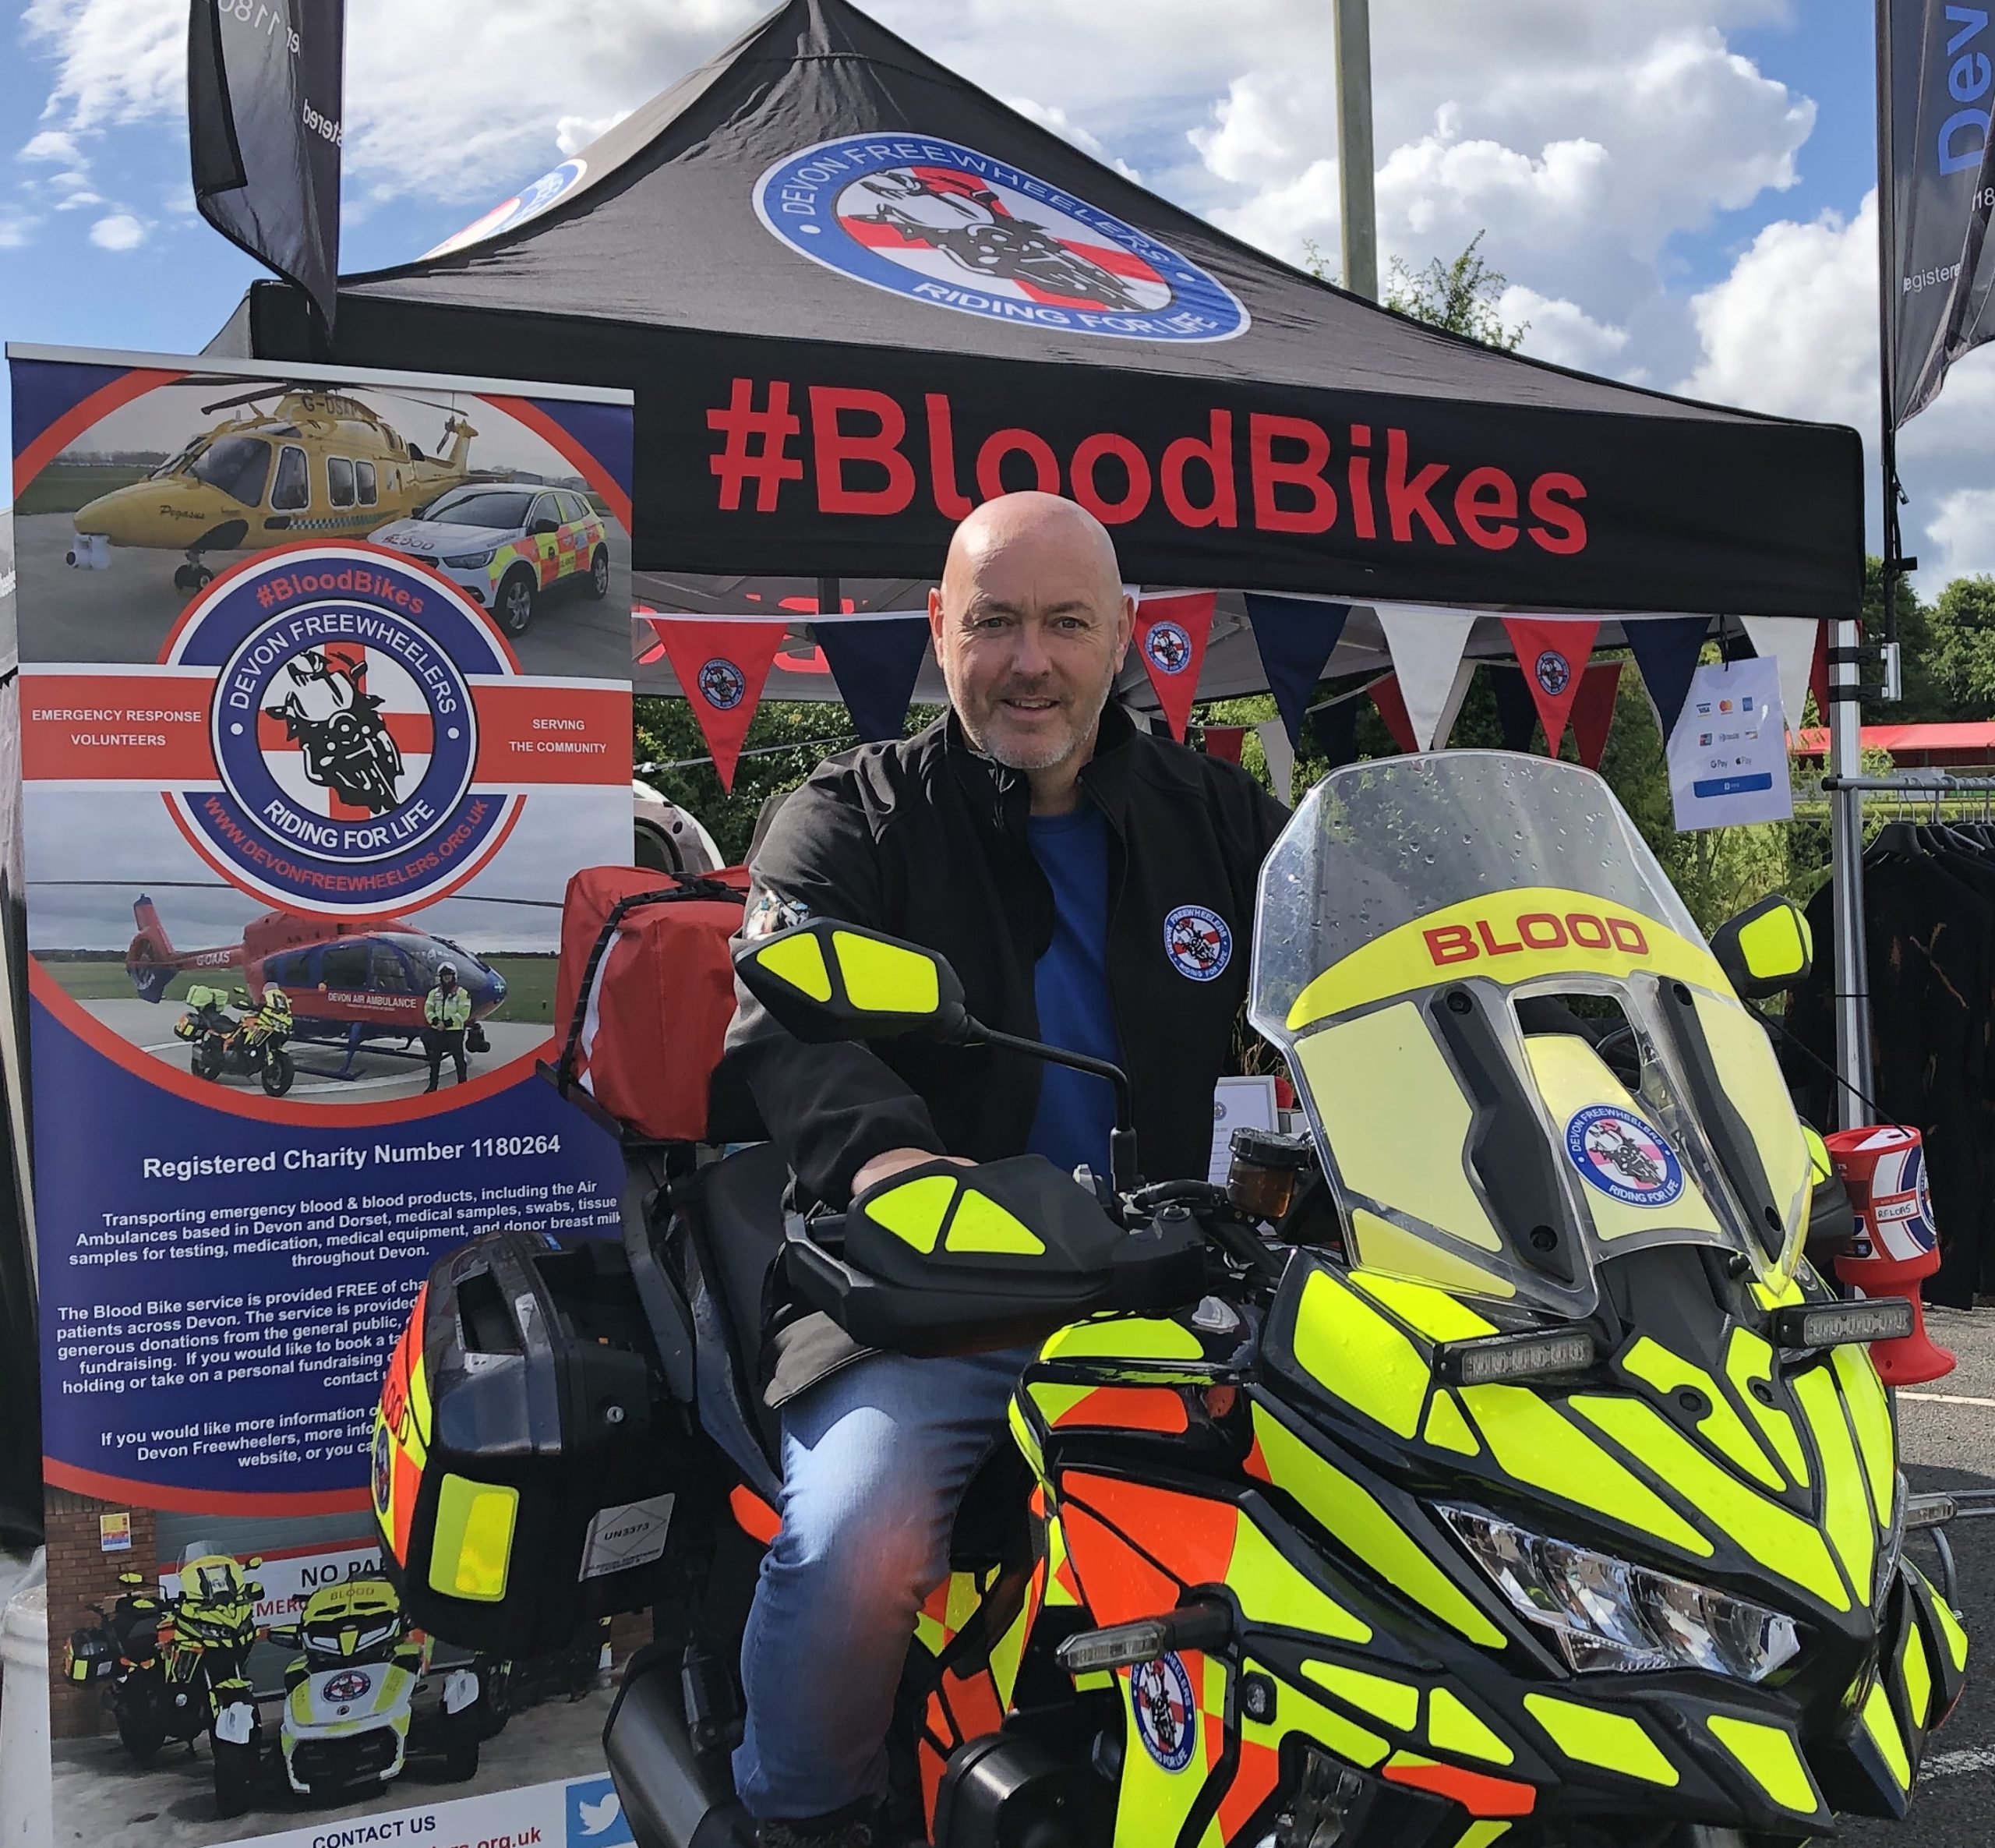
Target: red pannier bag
645, 991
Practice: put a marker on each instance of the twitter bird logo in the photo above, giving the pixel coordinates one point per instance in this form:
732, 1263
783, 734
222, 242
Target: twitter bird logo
596, 1814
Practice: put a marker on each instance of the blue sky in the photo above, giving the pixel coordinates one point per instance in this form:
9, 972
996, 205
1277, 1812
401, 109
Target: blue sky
1672, 187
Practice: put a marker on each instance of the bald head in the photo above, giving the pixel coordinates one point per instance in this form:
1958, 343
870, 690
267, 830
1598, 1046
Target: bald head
1051, 533
1030, 626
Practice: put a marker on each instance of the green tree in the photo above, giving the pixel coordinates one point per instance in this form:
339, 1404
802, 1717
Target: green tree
1460, 297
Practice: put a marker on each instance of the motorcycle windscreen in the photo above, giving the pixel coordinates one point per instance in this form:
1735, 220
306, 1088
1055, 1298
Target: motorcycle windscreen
1408, 909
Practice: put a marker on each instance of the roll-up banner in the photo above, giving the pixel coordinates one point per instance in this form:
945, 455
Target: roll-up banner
1938, 84
324, 696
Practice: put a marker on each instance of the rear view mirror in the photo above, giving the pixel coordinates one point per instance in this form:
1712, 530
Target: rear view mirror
1767, 949
824, 981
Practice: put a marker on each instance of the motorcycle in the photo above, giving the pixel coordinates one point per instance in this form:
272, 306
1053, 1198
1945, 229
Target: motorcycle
349, 1696
225, 1046
1440, 1479
173, 1666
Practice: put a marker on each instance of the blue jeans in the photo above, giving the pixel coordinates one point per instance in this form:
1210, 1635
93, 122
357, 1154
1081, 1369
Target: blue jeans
875, 1460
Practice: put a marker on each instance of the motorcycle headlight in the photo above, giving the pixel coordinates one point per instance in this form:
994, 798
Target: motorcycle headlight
471, 561
1611, 1616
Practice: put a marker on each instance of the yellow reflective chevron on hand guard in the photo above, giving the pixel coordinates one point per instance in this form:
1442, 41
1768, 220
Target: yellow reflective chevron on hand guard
799, 959
884, 978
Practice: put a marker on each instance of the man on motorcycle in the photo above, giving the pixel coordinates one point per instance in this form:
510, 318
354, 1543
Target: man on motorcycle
273, 1015
1067, 864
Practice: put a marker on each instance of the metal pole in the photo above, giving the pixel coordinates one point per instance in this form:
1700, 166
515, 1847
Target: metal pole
1358, 213
1888, 264
1845, 713
1852, 966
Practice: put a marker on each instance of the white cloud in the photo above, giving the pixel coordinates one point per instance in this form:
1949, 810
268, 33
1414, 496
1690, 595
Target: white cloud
116, 60
1963, 529
17, 228
120, 231
1561, 331
77, 201
1063, 125
51, 144
572, 133
1793, 328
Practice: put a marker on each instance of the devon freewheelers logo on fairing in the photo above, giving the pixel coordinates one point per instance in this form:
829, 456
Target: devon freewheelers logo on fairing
943, 224
344, 732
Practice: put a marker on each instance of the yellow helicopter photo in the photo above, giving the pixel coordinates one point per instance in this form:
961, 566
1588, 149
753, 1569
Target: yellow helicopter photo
294, 463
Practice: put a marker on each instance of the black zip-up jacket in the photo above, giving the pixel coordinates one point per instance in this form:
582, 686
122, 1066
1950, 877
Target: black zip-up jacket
925, 839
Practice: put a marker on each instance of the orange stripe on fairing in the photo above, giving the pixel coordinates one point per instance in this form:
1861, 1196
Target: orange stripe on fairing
1119, 1585
1190, 1535
932, 1768
1128, 1408
973, 1704
1477, 1792
1253, 1784
752, 1514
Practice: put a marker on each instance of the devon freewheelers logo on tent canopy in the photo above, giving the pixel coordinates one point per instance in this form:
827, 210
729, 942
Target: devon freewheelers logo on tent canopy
943, 224
344, 732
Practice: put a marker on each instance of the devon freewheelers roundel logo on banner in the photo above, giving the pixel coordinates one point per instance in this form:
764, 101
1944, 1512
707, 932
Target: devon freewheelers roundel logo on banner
947, 224
343, 730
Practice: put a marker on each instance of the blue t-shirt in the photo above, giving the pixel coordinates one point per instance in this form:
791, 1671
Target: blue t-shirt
1076, 1110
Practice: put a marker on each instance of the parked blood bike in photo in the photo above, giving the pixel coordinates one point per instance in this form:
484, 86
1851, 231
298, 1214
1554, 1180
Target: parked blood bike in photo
1490, 1463
174, 1666
350, 1719
251, 1046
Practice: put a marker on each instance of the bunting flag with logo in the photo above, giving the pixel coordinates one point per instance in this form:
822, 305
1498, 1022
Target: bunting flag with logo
1552, 653
1386, 695
1790, 643
1170, 637
721, 668
1296, 637
1593, 711
1429, 646
1517, 714
875, 665
1335, 728
1666, 648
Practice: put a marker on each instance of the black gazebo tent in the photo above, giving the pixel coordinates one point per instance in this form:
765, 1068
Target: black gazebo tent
853, 293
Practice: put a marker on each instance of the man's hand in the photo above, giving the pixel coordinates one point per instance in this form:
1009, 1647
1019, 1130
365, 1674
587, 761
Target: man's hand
885, 1167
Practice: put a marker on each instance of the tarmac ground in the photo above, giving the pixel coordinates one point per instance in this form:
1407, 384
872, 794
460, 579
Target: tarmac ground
124, 613
102, 1800
381, 1071
1946, 1440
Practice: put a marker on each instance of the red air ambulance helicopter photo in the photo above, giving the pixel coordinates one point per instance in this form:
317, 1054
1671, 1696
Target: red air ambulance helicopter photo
349, 985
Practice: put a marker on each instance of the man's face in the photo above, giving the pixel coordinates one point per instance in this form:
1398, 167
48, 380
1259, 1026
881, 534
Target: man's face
1029, 631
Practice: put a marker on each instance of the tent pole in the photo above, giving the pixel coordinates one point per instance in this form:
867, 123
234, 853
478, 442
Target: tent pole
1358, 222
1852, 963
830, 602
